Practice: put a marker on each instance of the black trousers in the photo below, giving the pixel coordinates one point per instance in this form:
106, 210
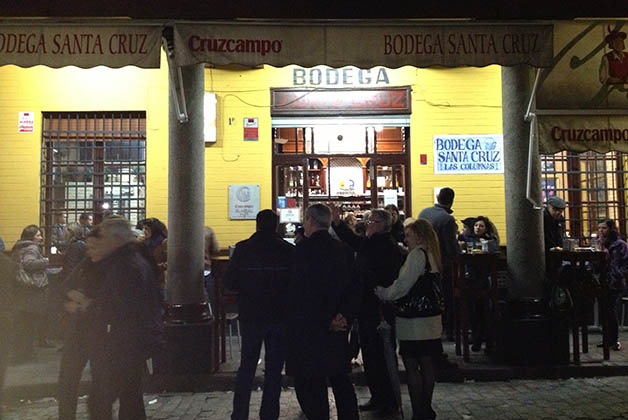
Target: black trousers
73, 361
448, 297
312, 397
114, 379
613, 314
377, 378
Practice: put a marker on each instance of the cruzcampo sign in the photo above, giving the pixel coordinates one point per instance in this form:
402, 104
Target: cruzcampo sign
80, 45
364, 45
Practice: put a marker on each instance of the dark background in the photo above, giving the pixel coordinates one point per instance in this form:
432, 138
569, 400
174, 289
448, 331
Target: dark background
321, 9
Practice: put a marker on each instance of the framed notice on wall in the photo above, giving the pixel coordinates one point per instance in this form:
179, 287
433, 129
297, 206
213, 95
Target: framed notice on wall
243, 202
468, 154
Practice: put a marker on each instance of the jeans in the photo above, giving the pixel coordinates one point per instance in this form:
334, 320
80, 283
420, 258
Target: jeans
254, 333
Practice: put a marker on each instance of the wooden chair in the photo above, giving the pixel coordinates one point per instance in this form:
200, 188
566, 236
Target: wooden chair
224, 299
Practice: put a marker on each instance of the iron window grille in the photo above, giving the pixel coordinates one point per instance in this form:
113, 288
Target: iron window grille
92, 162
592, 184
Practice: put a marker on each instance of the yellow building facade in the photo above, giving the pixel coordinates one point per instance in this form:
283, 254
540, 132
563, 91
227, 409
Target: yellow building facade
444, 102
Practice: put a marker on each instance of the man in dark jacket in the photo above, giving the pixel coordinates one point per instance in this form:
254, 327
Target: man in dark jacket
378, 261
320, 310
446, 228
553, 223
125, 324
260, 272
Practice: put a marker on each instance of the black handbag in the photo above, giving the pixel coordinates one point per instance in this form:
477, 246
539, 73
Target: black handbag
424, 299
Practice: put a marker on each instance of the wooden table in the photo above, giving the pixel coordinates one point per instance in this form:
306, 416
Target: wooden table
462, 295
223, 298
578, 259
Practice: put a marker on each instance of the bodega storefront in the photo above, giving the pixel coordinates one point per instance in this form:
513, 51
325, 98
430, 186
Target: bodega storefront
331, 142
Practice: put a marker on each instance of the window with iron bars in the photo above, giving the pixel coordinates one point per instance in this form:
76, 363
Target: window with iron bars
92, 162
592, 184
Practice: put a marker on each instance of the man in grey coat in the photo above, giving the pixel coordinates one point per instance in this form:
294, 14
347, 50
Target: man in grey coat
446, 228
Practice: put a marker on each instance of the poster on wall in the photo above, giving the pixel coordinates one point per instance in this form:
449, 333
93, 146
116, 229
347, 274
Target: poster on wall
243, 202
468, 154
251, 127
26, 122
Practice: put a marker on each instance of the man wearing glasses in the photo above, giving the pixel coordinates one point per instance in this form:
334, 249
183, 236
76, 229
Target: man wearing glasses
378, 261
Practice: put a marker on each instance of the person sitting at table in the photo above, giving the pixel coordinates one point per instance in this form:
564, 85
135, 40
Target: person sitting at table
467, 228
477, 278
553, 223
617, 251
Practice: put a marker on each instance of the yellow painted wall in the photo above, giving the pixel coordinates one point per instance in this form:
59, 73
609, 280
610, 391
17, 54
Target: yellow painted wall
42, 89
444, 101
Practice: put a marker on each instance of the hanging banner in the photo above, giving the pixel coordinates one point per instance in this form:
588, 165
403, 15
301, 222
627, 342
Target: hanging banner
589, 69
80, 45
363, 45
469, 154
579, 133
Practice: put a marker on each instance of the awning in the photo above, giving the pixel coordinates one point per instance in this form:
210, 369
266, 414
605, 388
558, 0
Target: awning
363, 45
81, 45
580, 133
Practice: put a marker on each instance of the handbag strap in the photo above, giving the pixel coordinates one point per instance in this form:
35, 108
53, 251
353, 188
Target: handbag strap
428, 267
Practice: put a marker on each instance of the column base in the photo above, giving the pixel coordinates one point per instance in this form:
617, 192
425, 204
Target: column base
189, 332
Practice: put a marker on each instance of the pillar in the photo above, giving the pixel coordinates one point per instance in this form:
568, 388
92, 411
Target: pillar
526, 259
186, 195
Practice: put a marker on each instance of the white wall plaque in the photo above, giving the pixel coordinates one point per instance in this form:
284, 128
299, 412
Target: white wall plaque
243, 202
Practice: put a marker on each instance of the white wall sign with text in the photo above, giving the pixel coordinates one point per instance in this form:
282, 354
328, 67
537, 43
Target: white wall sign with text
468, 154
26, 122
243, 202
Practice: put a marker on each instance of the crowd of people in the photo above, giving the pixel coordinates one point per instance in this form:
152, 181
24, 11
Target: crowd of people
107, 300
343, 276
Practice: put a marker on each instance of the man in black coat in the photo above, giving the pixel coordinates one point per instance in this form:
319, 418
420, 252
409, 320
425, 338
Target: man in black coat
320, 309
378, 261
125, 322
553, 223
259, 271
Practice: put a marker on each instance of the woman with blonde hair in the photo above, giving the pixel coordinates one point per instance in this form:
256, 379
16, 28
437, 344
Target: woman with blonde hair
419, 337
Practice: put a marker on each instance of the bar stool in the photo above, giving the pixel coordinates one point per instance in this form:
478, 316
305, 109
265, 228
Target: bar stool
463, 295
231, 319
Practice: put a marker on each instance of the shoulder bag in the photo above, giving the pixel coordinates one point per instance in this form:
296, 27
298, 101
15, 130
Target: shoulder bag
424, 299
27, 280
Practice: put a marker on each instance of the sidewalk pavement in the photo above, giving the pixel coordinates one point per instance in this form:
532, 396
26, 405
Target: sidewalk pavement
38, 379
582, 399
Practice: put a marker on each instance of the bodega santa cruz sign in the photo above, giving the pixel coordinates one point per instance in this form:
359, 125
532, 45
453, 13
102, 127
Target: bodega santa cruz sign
468, 154
363, 45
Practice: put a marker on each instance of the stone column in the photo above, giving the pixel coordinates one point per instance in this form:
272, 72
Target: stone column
526, 259
186, 194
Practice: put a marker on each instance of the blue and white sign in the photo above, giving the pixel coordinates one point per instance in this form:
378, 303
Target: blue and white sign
469, 154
